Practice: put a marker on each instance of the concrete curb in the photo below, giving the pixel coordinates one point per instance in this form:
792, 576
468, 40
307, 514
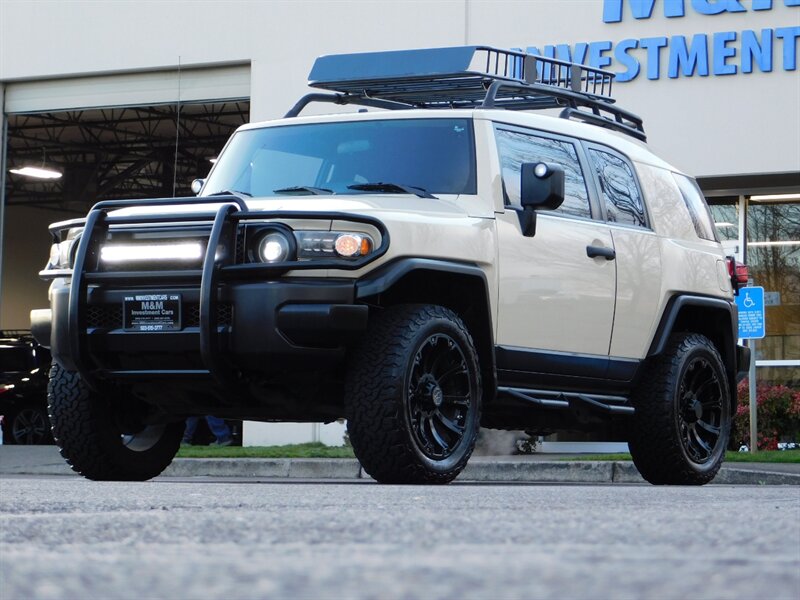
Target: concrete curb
291, 468
15, 461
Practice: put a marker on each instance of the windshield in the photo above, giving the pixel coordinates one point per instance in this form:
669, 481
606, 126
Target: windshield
434, 155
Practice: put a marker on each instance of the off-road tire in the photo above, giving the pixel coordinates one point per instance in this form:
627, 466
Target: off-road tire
380, 425
91, 441
659, 435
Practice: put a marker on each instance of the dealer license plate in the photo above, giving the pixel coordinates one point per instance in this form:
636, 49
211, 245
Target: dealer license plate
152, 312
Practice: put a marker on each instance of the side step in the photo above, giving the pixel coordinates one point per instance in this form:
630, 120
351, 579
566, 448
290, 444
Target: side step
605, 405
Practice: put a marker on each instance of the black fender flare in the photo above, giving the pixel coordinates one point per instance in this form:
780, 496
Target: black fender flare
729, 352
383, 278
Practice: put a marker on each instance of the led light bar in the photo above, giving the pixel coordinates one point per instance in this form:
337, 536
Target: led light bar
117, 253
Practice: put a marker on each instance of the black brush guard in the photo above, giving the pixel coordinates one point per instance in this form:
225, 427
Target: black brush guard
223, 233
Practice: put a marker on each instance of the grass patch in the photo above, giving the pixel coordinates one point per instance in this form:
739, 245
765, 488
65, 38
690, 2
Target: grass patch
774, 456
310, 450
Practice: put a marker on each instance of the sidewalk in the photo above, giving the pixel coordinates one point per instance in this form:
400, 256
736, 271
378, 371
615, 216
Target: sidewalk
535, 468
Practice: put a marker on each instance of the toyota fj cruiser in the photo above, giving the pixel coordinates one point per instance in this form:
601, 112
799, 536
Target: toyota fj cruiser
448, 259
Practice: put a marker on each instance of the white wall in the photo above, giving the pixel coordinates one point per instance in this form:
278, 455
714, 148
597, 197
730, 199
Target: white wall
280, 434
746, 123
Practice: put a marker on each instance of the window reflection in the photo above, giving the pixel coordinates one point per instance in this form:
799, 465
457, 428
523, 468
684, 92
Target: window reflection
622, 198
773, 257
726, 219
516, 148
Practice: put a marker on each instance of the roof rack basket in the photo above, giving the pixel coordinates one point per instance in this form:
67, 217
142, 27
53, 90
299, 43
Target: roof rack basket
469, 77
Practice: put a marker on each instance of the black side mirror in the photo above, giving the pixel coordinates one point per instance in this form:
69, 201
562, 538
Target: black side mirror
541, 188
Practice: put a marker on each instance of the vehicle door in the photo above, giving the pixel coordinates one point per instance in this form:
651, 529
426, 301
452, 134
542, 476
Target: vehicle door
556, 289
638, 252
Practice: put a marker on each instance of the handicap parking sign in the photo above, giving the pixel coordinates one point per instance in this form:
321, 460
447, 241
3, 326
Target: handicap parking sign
750, 303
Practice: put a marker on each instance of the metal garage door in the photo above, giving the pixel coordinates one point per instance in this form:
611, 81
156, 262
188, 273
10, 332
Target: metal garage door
129, 89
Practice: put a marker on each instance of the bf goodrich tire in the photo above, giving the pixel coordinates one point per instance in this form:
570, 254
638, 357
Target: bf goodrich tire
683, 414
413, 396
92, 442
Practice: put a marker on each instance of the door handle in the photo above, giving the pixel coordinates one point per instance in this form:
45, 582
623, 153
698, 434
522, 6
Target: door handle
595, 251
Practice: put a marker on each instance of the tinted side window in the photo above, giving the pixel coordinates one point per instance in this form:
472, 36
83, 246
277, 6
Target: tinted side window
620, 192
516, 148
698, 209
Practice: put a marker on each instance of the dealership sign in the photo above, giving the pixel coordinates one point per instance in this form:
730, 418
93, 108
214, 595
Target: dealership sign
701, 54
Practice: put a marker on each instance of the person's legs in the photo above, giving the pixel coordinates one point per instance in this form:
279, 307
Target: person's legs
219, 428
191, 427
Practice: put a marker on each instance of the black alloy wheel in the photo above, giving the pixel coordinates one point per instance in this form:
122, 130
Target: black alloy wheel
413, 395
438, 397
30, 426
680, 430
700, 410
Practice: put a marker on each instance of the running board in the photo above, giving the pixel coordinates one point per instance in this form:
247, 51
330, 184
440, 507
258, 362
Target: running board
607, 405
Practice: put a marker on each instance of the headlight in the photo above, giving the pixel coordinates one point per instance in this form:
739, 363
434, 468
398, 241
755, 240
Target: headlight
315, 244
62, 254
274, 247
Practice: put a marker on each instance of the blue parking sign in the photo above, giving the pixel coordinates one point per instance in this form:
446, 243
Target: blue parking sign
750, 303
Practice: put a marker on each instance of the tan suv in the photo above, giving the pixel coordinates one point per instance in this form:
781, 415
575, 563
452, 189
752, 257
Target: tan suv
449, 256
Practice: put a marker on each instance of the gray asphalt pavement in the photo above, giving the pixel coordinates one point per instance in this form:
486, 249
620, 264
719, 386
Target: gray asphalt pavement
531, 468
65, 537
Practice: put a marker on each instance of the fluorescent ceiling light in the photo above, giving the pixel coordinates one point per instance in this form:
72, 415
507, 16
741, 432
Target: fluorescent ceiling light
777, 197
36, 172
781, 243
135, 252
212, 160
724, 224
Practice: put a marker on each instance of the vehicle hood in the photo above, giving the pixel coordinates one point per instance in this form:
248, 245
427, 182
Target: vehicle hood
443, 206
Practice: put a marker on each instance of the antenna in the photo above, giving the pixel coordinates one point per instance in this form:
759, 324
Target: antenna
177, 133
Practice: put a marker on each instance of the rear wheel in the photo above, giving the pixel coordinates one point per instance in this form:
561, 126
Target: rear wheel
683, 414
413, 396
93, 440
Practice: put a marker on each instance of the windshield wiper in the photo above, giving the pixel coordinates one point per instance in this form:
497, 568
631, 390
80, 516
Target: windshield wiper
392, 188
236, 193
299, 189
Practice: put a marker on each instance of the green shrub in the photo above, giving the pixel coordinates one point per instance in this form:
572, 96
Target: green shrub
778, 416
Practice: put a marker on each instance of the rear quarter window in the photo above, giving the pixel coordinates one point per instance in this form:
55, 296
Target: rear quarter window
668, 211
698, 209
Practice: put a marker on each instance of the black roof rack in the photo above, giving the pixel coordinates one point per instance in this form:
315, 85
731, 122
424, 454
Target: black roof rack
469, 77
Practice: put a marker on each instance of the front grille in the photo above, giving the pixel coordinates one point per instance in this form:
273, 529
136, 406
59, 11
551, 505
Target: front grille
192, 315
109, 316
104, 316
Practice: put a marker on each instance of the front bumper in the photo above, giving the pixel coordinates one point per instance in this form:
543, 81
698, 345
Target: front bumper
235, 317
267, 326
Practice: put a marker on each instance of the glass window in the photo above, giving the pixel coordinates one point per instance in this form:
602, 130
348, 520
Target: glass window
698, 209
516, 148
726, 222
773, 259
434, 154
620, 192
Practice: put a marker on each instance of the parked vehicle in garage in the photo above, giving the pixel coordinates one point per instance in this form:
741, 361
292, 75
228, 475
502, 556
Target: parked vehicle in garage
24, 365
448, 259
